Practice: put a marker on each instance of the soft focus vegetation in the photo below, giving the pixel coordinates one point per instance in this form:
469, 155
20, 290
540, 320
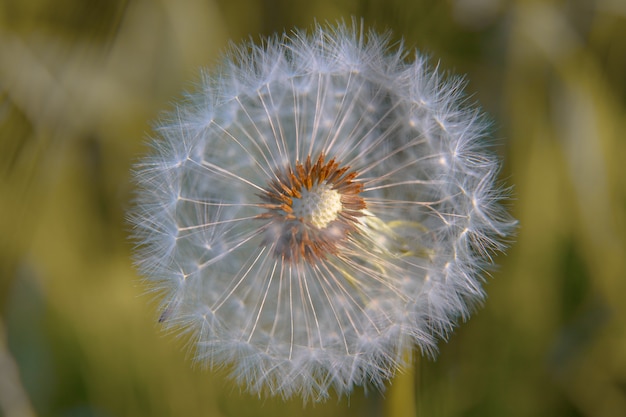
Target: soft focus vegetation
80, 83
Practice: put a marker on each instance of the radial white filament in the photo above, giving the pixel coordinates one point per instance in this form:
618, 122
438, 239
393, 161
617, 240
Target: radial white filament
315, 210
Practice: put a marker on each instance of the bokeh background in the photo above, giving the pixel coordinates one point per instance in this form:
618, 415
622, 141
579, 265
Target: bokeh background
82, 80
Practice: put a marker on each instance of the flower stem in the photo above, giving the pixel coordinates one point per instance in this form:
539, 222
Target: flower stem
403, 390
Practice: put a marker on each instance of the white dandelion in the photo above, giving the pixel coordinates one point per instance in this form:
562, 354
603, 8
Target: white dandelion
316, 209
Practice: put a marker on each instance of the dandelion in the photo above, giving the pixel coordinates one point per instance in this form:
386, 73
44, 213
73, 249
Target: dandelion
316, 209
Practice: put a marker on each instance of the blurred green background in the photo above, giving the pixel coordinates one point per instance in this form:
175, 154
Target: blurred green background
80, 83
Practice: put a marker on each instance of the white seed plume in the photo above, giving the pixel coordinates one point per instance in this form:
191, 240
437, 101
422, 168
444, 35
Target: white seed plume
317, 208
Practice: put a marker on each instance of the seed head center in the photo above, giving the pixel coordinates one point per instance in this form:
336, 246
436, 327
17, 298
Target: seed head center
311, 209
319, 206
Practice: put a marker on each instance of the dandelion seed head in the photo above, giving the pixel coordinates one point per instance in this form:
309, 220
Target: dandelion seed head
317, 207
